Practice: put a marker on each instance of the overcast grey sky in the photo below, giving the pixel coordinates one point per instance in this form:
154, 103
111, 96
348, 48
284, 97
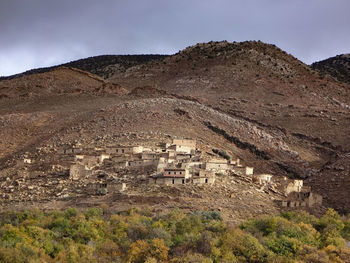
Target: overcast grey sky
38, 33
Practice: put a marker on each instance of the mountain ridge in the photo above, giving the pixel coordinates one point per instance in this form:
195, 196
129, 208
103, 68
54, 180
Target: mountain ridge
94, 64
337, 66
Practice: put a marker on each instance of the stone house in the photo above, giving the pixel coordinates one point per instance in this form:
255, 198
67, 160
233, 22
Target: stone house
292, 185
103, 157
201, 176
314, 199
218, 165
121, 164
78, 171
302, 199
161, 165
119, 158
185, 142
168, 155
143, 163
69, 151
204, 173
183, 157
181, 149
103, 187
160, 180
262, 178
203, 180
176, 177
190, 165
249, 170
90, 161
240, 170
176, 172
236, 162
171, 176
149, 156
298, 195
124, 150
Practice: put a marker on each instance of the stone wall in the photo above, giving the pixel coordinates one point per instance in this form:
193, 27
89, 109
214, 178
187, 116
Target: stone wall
167, 181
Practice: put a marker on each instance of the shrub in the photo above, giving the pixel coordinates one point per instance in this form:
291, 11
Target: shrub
161, 233
346, 229
283, 245
139, 236
70, 212
93, 212
241, 245
224, 154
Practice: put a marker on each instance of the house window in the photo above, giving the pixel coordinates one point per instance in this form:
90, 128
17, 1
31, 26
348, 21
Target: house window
180, 172
122, 150
183, 181
206, 180
168, 172
173, 181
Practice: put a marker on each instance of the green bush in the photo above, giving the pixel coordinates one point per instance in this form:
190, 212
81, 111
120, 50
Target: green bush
144, 236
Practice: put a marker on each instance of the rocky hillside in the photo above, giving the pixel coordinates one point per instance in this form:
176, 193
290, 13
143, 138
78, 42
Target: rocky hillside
251, 99
57, 81
338, 67
254, 81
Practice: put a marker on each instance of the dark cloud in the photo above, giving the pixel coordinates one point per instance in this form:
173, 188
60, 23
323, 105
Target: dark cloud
39, 33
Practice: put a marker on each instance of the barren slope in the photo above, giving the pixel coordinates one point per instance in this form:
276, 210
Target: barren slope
251, 99
55, 82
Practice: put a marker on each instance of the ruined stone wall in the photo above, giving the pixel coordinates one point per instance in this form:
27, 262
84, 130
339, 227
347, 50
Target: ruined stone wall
77, 171
294, 186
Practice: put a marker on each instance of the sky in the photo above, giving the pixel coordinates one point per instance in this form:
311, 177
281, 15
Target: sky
40, 33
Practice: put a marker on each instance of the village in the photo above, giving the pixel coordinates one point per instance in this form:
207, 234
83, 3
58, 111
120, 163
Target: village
104, 170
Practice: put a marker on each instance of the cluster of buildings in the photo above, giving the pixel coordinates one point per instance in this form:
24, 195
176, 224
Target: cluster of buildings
177, 163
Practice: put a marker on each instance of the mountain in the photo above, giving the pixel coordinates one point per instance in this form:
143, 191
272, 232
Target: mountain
249, 99
338, 67
255, 81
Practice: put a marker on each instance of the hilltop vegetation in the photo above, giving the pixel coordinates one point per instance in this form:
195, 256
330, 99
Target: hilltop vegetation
135, 235
338, 67
103, 66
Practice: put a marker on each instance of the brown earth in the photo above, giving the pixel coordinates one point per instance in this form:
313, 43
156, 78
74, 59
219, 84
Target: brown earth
251, 99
